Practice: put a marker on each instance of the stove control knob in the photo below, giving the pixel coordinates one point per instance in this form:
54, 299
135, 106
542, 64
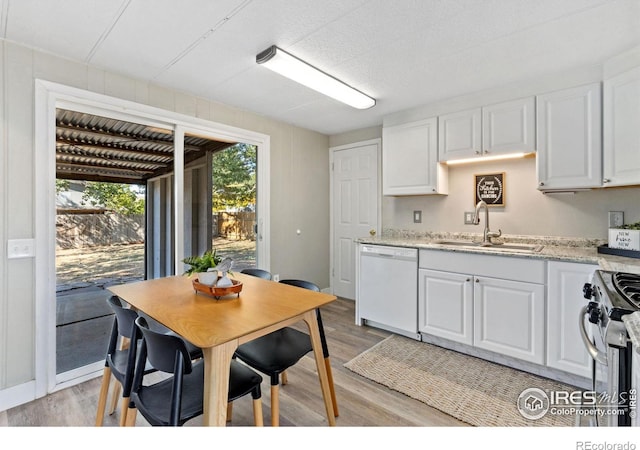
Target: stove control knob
593, 309
587, 290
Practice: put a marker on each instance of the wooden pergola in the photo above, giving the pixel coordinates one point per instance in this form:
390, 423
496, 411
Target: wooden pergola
94, 148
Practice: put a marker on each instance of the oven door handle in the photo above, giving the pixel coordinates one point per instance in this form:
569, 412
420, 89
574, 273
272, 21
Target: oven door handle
597, 355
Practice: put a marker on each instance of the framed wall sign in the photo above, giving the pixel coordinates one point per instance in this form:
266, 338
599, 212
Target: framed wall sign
490, 188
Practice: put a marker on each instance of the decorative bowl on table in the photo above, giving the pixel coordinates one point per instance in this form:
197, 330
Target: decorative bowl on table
218, 292
208, 278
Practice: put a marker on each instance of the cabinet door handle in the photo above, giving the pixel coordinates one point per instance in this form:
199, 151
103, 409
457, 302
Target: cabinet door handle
542, 183
468, 279
477, 280
606, 180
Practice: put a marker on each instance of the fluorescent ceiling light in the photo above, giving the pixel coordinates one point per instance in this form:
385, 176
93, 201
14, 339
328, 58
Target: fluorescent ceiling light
480, 159
285, 64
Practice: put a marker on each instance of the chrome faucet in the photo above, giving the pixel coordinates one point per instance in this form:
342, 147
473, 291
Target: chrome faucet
487, 235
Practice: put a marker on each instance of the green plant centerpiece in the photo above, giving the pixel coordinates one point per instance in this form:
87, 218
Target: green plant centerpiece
206, 267
203, 263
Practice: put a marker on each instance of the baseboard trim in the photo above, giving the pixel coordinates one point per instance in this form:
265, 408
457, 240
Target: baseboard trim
17, 395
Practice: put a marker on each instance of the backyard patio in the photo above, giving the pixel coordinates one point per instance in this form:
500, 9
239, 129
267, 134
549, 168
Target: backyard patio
110, 264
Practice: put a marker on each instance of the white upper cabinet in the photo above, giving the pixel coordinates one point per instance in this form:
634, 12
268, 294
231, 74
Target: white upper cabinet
459, 135
410, 159
569, 136
491, 130
621, 151
509, 127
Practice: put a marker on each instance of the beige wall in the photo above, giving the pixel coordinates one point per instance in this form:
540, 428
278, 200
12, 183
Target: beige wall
526, 211
361, 135
299, 185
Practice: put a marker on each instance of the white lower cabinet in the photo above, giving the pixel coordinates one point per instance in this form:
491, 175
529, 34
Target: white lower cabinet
505, 316
565, 350
445, 308
509, 318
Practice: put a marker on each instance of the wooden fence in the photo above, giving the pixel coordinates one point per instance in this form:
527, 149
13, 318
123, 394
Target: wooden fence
91, 230
234, 225
99, 228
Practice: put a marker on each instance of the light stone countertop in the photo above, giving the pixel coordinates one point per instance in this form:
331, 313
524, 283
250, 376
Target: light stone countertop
578, 250
632, 323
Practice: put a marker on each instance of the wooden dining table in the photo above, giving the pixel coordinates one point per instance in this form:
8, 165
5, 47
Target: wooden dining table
219, 326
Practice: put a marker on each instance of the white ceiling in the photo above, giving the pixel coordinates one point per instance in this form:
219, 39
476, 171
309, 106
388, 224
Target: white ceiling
404, 53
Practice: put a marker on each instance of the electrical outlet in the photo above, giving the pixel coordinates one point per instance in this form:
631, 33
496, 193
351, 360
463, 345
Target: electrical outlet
417, 217
616, 219
468, 217
276, 277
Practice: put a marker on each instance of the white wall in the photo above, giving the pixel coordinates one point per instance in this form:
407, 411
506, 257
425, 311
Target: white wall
299, 187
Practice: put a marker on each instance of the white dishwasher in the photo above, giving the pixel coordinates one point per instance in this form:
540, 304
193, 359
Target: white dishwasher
388, 289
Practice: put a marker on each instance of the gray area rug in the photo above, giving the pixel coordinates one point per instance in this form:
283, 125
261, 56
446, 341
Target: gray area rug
475, 391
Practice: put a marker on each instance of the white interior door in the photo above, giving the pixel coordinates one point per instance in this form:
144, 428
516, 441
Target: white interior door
355, 208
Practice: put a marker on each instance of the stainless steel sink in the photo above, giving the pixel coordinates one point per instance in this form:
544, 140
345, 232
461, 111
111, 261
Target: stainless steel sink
508, 247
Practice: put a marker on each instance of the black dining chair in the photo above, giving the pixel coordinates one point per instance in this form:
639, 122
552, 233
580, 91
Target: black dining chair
179, 398
121, 356
274, 353
120, 360
260, 273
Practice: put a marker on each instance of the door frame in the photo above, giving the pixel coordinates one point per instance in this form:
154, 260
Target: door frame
332, 151
48, 97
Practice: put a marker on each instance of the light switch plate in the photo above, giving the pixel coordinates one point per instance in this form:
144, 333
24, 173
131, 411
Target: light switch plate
616, 219
468, 217
20, 248
417, 217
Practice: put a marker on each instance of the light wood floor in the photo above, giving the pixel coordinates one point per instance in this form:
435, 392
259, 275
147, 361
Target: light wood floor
361, 401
